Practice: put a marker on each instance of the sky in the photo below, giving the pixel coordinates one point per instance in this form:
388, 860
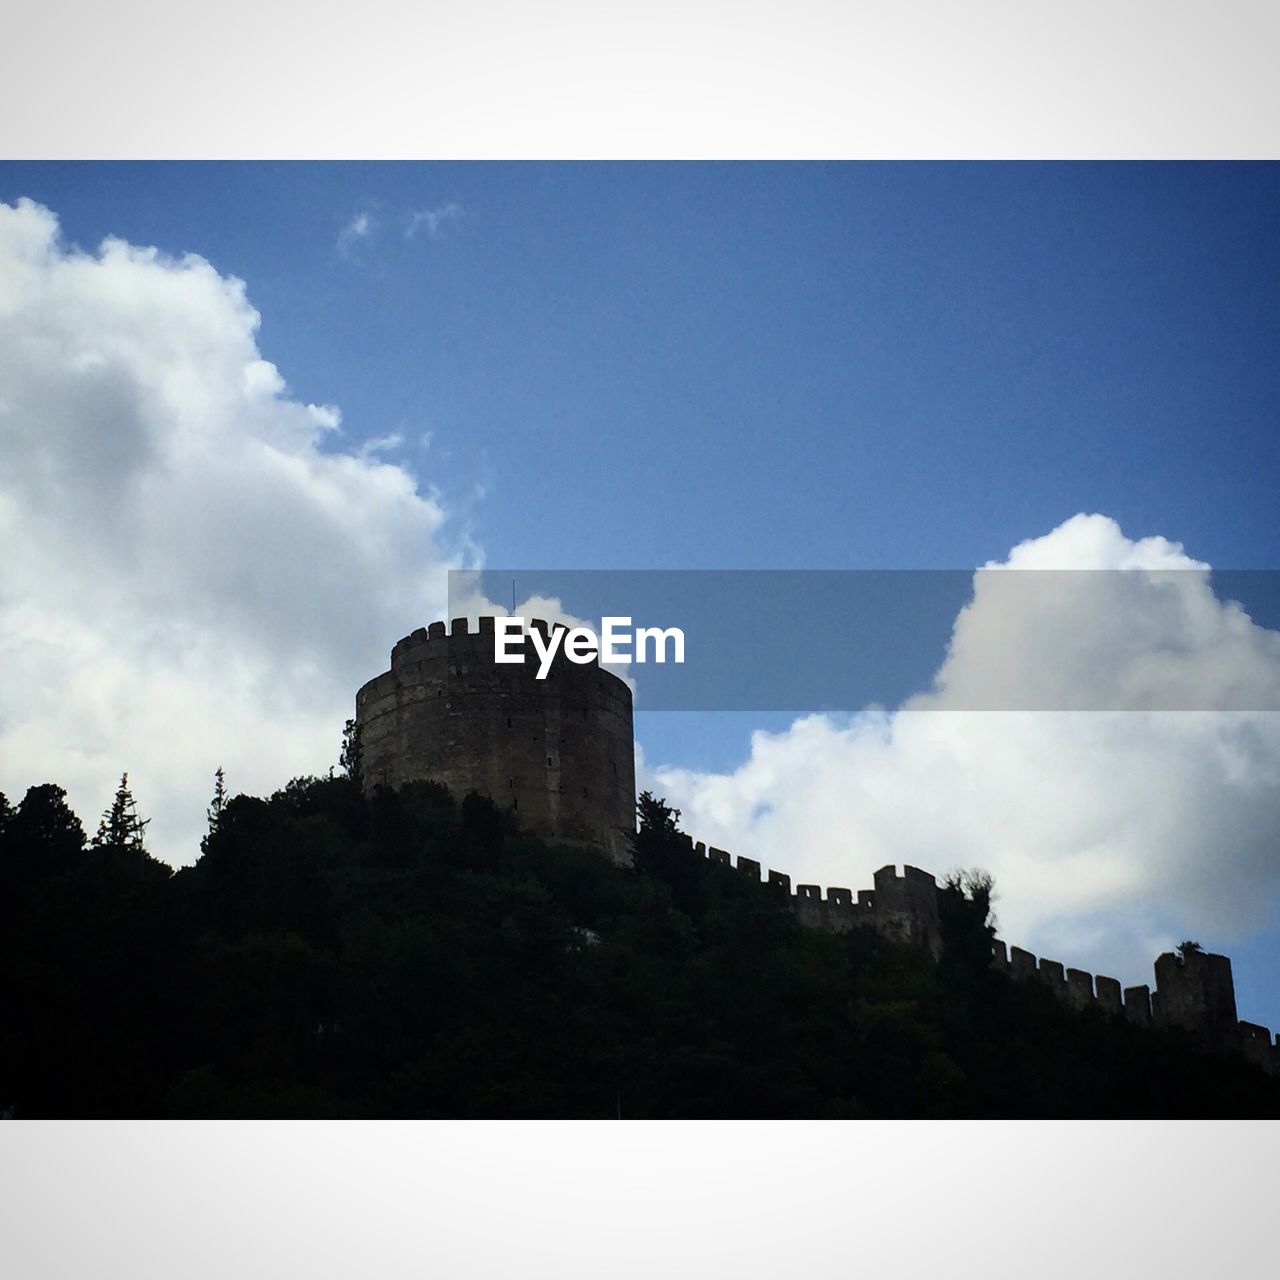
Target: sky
242, 442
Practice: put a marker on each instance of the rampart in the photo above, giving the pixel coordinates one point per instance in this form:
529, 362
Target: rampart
559, 751
1193, 992
902, 908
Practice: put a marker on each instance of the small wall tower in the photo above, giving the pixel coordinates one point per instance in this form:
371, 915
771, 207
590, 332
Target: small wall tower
1195, 991
558, 751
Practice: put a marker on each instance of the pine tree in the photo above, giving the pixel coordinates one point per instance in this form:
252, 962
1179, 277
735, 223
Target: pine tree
216, 807
120, 826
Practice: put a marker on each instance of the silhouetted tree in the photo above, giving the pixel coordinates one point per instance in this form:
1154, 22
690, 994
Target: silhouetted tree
42, 836
1189, 948
216, 807
656, 817
966, 920
120, 827
400, 954
349, 761
656, 837
663, 851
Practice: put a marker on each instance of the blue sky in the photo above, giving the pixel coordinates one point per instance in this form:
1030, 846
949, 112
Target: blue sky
762, 366
758, 366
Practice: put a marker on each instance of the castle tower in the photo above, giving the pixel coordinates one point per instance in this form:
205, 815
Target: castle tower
558, 751
1196, 992
906, 908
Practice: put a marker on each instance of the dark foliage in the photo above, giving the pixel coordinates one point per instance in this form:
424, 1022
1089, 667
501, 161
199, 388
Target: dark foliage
405, 954
41, 838
121, 827
350, 758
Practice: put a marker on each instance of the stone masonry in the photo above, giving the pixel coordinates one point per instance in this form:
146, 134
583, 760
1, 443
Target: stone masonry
558, 751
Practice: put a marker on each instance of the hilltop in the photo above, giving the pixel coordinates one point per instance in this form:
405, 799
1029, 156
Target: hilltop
410, 954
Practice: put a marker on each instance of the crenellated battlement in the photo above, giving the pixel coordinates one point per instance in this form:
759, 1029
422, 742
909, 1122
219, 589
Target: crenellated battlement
405, 650
1193, 992
903, 908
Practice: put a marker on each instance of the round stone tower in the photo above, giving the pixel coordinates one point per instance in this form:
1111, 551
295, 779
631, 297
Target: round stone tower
558, 751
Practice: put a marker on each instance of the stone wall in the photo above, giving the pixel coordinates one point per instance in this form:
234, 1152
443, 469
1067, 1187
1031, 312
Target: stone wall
902, 908
558, 751
1194, 993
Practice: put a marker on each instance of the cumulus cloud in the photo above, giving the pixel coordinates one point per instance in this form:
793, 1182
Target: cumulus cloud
1112, 834
196, 572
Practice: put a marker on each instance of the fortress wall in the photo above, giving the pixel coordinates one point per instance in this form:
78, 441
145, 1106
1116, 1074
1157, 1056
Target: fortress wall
1195, 993
1198, 991
1137, 1005
905, 908
1051, 974
1255, 1044
1108, 995
1079, 988
560, 752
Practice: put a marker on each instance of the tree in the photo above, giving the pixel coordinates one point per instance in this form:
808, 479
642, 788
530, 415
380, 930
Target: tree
661, 850
120, 826
978, 886
216, 807
350, 761
656, 817
1189, 948
656, 838
966, 920
43, 836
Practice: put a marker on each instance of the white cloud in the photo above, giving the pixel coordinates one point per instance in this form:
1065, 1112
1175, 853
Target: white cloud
360, 229
194, 574
378, 446
1111, 834
433, 219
